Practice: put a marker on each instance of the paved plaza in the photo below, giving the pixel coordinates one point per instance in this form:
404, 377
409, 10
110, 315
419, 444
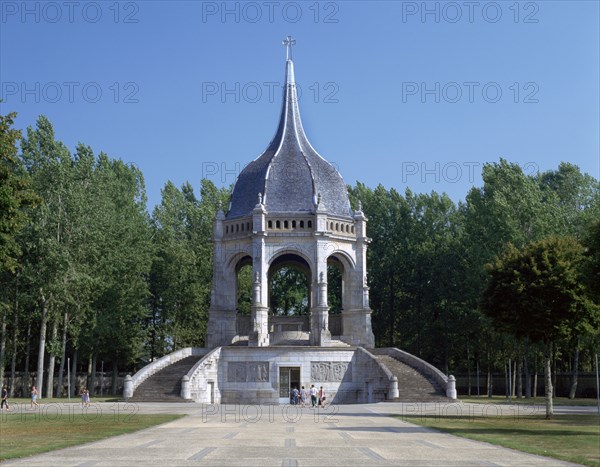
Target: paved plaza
280, 435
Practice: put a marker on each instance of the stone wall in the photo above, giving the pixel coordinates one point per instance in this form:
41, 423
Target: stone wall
203, 380
246, 375
375, 380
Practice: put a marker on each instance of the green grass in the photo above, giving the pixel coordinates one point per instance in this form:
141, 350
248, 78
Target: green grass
54, 427
530, 401
573, 438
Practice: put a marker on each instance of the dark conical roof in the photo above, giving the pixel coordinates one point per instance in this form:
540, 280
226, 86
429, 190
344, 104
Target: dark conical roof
290, 174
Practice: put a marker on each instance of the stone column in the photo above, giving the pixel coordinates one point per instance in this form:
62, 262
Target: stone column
259, 336
451, 387
128, 387
356, 321
221, 328
186, 392
319, 316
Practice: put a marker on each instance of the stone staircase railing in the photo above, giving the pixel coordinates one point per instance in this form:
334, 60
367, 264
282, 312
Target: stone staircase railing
194, 384
132, 382
392, 391
446, 382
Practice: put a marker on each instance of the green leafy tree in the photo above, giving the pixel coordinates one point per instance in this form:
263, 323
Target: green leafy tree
538, 293
16, 197
15, 193
289, 292
181, 271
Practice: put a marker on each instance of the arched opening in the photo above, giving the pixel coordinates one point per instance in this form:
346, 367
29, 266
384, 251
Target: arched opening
335, 271
289, 286
243, 274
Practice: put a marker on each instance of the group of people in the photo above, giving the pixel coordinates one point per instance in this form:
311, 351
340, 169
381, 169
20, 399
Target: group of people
34, 396
301, 396
85, 398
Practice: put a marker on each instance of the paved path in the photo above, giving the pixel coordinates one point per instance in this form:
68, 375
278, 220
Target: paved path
355, 435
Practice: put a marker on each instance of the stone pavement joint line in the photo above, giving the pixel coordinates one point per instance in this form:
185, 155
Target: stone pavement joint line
201, 454
290, 443
431, 445
372, 454
289, 463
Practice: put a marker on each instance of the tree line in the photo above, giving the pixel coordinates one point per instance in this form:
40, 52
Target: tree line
434, 266
88, 274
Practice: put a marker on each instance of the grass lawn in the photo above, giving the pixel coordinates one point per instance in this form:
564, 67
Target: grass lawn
54, 427
574, 438
530, 401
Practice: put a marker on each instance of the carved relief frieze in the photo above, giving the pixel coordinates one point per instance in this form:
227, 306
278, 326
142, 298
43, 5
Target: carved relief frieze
247, 372
322, 372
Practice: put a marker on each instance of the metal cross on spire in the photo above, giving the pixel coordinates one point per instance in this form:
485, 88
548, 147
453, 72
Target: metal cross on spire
289, 41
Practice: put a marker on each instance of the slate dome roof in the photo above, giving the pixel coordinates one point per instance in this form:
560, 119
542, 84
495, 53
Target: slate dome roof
290, 174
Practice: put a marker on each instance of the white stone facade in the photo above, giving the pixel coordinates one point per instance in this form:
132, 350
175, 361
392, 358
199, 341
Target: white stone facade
245, 375
309, 247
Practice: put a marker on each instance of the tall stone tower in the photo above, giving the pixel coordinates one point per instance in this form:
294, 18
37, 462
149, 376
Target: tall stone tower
290, 206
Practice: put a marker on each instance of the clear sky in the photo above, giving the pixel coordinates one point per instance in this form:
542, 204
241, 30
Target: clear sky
406, 94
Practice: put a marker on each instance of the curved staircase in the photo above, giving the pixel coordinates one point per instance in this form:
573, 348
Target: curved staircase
165, 385
413, 385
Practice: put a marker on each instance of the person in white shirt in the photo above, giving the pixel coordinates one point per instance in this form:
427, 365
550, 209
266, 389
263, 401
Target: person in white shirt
313, 395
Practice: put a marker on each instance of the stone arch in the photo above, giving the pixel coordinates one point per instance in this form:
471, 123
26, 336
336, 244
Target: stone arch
295, 250
344, 257
290, 257
232, 261
346, 264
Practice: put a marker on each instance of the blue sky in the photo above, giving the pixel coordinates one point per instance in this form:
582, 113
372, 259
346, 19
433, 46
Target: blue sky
406, 94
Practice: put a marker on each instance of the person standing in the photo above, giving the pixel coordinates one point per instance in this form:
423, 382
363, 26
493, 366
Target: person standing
313, 395
303, 396
34, 396
322, 397
4, 398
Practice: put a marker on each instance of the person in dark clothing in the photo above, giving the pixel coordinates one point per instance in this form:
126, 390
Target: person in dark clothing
4, 399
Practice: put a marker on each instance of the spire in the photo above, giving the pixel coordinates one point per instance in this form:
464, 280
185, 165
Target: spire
290, 173
289, 130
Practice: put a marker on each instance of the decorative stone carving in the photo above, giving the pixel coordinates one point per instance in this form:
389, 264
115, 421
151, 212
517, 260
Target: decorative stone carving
322, 372
248, 372
257, 372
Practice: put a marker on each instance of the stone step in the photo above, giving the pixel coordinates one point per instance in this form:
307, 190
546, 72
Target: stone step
165, 385
413, 386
